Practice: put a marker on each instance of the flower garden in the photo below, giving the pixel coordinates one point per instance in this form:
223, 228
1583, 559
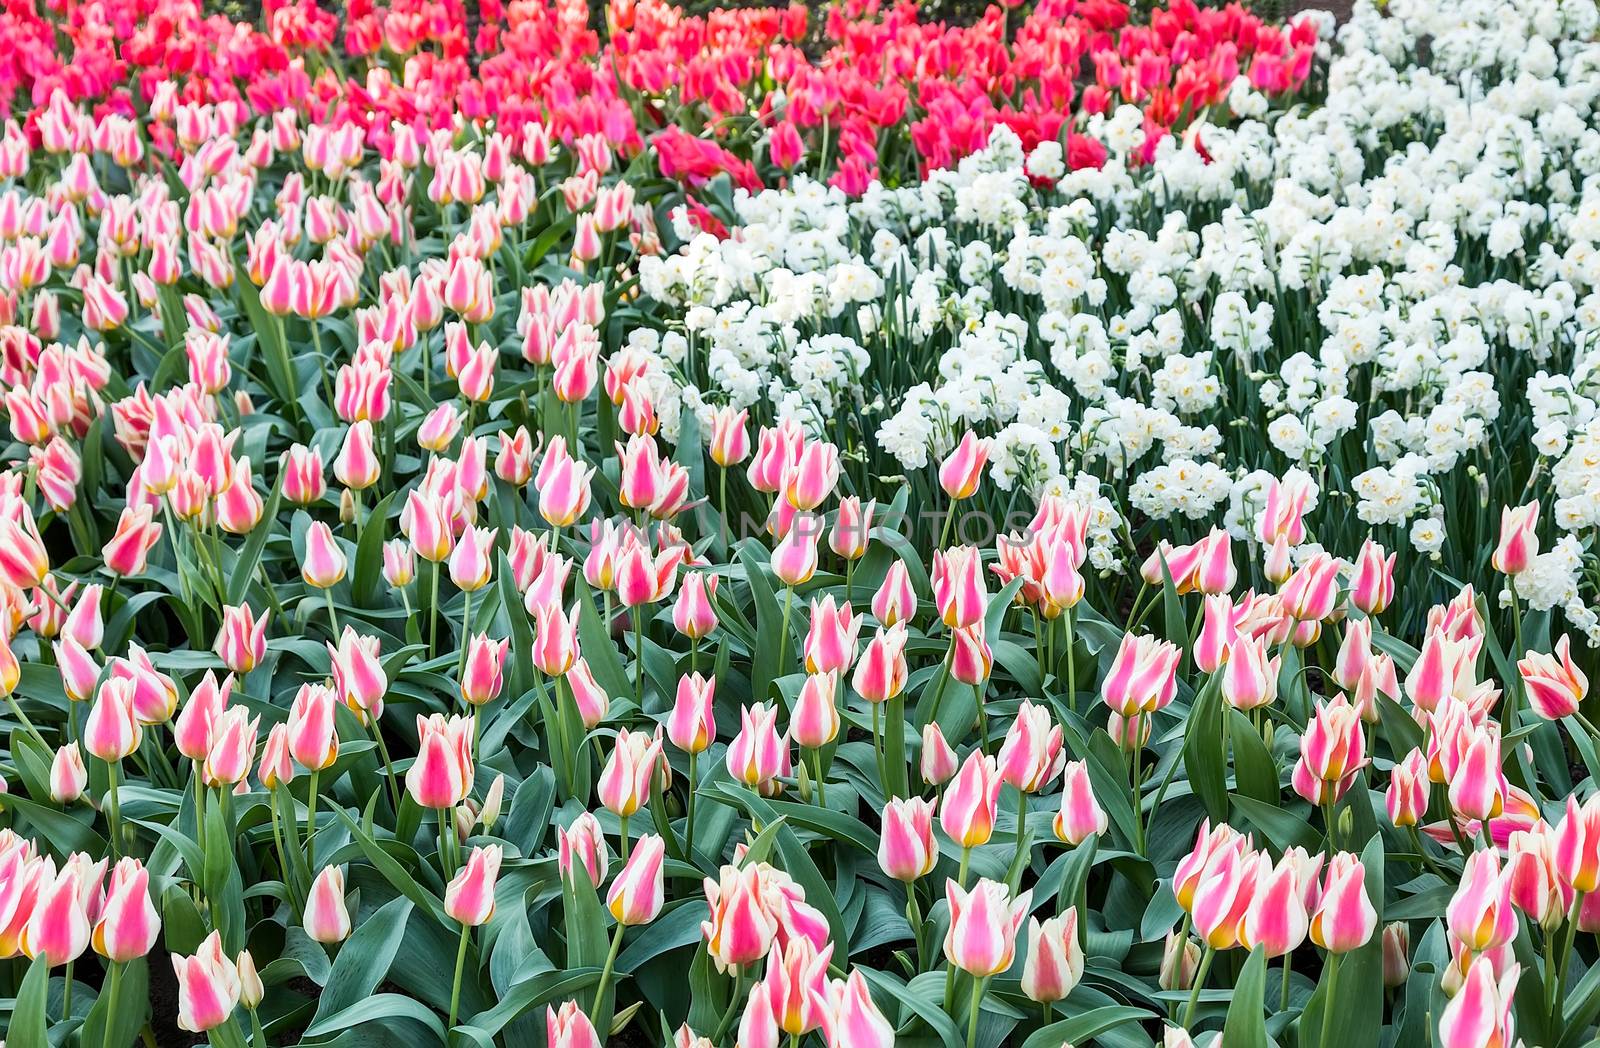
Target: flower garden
804, 526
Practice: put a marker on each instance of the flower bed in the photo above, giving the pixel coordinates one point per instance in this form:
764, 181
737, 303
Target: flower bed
732, 530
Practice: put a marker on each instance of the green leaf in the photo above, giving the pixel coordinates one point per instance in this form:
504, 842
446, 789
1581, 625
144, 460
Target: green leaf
244, 565
28, 1019
133, 1004
365, 958
1203, 756
531, 993
223, 883
1254, 772
1245, 1026
378, 1006
1085, 1026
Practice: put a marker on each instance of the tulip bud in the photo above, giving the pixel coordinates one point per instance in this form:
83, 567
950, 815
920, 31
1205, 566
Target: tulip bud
584, 844
970, 804
326, 920
469, 898
981, 940
939, 761
1180, 959
906, 850
1081, 816
636, 895
570, 1028
1055, 958
1396, 954
208, 986
68, 775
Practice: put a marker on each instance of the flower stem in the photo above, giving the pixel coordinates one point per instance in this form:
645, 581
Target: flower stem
972, 1020
1199, 982
605, 972
455, 985
311, 821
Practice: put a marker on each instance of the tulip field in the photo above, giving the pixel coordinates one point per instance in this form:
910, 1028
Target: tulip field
538, 523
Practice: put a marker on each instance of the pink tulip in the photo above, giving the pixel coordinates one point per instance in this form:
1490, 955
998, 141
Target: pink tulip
1535, 885
242, 639
79, 670
962, 469
1081, 816
1578, 845
810, 478
358, 674
312, 738
758, 754
582, 844
730, 439
68, 775
958, 586
939, 762
1143, 676
555, 639
1407, 797
1219, 630
483, 675
1333, 748
852, 1020
852, 528
441, 777
814, 720
741, 928
399, 563
636, 895
113, 731
233, 747
324, 562
129, 925
84, 622
624, 784
1054, 964
1480, 1014
1519, 539
694, 614
469, 897
1223, 896
970, 804
895, 600
1277, 919
907, 850
1372, 581
796, 986
794, 558
1031, 755
192, 730
357, 466
570, 1028
1345, 919
58, 927
208, 986
276, 767
830, 645
971, 658
1554, 684
983, 927
882, 671
1480, 913
1312, 592
326, 920
303, 479
1396, 954
590, 699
